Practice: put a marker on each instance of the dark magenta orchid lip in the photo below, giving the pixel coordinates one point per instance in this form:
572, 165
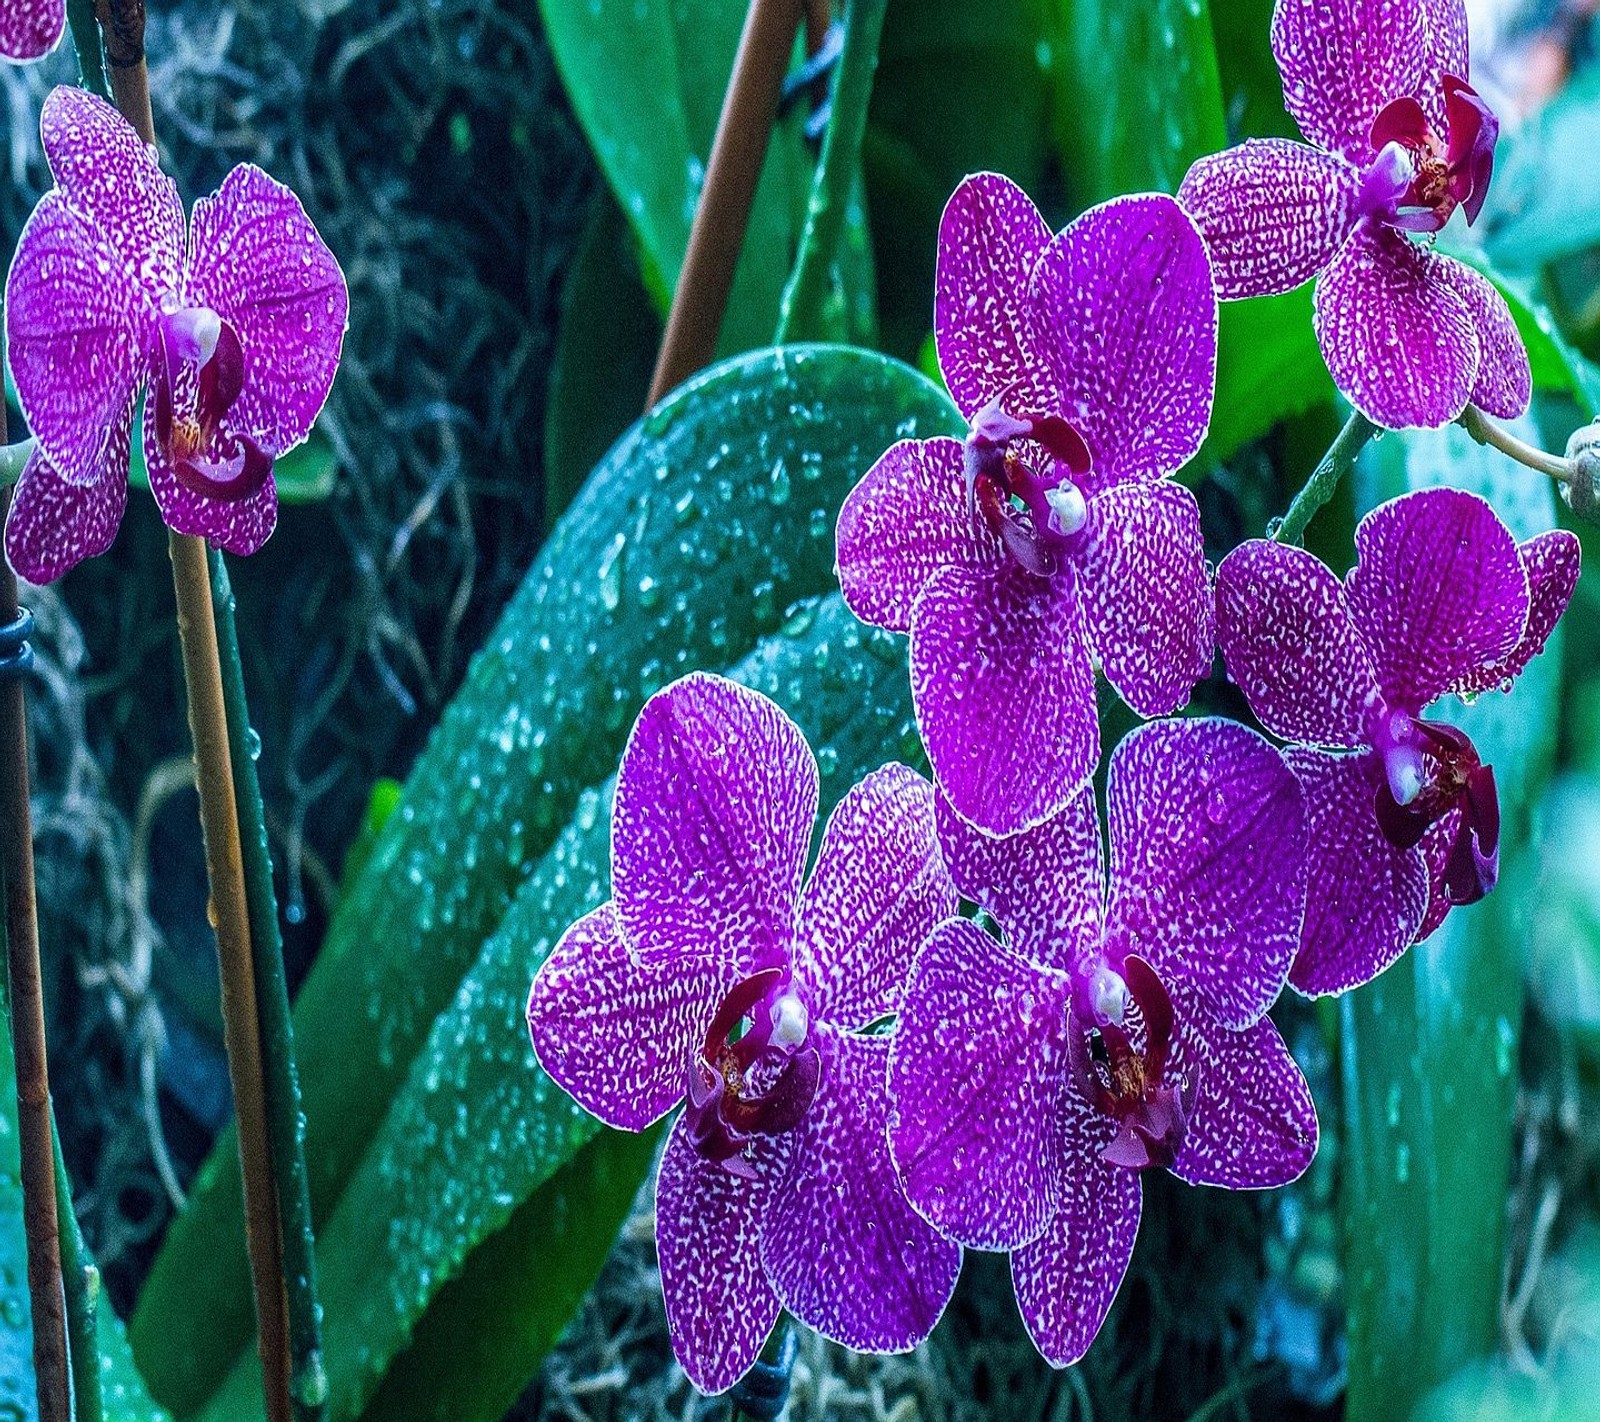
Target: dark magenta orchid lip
209, 460
1418, 179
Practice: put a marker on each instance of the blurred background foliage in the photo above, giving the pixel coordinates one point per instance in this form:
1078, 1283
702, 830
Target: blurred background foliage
509, 186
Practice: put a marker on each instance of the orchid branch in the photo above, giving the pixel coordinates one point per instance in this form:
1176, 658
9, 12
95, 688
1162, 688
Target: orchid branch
1488, 431
81, 1285
1324, 480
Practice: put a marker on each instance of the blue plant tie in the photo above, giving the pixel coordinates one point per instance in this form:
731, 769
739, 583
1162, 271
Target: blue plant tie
16, 655
811, 78
763, 1392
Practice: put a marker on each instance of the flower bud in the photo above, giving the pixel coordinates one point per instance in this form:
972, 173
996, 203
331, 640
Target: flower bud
1583, 458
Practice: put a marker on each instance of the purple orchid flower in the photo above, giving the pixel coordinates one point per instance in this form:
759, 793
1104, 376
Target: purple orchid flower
236, 334
1118, 1028
1400, 140
1051, 537
775, 1187
1403, 816
30, 29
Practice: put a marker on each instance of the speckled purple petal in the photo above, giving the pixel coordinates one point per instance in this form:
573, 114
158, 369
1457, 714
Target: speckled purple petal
239, 525
1147, 601
257, 261
1552, 562
1435, 852
1126, 298
1292, 646
1045, 886
1504, 382
1343, 60
1004, 695
75, 339
1439, 592
846, 1253
1066, 1278
1447, 37
1254, 1126
30, 29
987, 333
879, 889
1273, 213
1364, 897
907, 519
720, 1306
979, 1075
1206, 826
618, 1035
716, 798
1398, 340
54, 525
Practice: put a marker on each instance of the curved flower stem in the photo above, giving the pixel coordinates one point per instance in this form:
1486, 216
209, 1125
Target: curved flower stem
806, 293
723, 212
308, 1382
1324, 480
12, 459
81, 1282
1490, 432
122, 23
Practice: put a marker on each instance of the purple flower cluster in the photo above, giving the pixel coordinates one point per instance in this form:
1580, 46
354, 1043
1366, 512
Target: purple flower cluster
872, 1078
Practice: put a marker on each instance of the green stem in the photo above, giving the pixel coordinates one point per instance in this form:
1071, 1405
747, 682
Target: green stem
308, 1382
806, 295
1319, 488
86, 40
12, 459
1487, 431
81, 1283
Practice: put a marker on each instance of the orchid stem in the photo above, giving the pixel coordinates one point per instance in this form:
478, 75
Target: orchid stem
308, 1381
1324, 480
122, 24
723, 212
806, 295
81, 1283
25, 1001
1490, 432
12, 459
86, 41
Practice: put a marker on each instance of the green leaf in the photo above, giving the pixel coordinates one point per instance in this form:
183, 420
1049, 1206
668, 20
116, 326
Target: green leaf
477, 1128
605, 354
646, 79
1430, 1047
1269, 368
704, 525
1140, 95
1252, 88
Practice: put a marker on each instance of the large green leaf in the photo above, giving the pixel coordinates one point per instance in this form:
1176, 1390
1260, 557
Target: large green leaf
1252, 88
476, 1129
1141, 97
707, 521
1430, 1047
646, 79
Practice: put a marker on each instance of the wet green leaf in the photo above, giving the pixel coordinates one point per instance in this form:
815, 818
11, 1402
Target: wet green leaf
1430, 1047
705, 524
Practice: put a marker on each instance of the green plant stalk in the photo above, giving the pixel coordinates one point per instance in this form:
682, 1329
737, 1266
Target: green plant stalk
308, 1383
1324, 480
806, 295
81, 1282
86, 41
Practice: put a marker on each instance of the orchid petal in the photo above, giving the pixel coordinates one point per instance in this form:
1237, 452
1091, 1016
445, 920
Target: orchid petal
1004, 695
1125, 294
878, 890
257, 261
1552, 562
1504, 382
1399, 341
845, 1252
1046, 885
988, 333
1342, 61
616, 1035
1206, 827
1253, 1126
53, 524
720, 1306
715, 802
1273, 213
1365, 897
1147, 600
908, 519
1292, 646
1439, 592
978, 1078
30, 29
